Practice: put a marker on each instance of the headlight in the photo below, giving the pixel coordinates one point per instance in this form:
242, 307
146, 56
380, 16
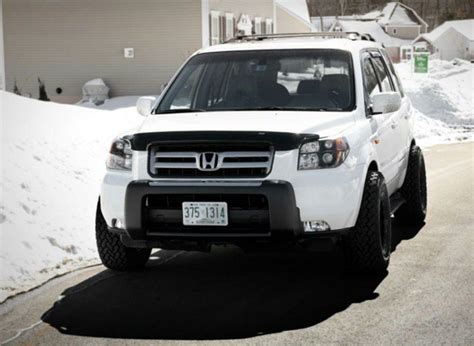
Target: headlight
327, 153
120, 155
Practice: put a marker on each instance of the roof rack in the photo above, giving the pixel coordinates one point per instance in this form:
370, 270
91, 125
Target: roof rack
351, 35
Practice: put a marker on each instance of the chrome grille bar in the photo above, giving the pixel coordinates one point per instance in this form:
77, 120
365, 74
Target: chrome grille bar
230, 163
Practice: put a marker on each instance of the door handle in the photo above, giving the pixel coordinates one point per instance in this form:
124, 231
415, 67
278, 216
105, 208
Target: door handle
393, 125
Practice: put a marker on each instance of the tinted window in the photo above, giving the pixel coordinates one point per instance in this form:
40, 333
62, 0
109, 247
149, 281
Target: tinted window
393, 72
243, 80
370, 78
382, 74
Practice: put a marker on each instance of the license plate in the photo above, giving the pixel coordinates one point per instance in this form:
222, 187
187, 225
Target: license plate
205, 214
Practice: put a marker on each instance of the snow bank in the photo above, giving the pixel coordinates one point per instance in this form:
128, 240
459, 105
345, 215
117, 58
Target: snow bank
52, 161
113, 103
442, 100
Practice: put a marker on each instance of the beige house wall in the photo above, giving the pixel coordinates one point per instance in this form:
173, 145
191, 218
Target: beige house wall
288, 23
404, 32
68, 42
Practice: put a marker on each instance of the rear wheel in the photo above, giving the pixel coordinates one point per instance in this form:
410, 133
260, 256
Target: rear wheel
367, 246
413, 212
113, 254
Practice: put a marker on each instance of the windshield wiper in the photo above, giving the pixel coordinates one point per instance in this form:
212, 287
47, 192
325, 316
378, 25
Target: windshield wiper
182, 110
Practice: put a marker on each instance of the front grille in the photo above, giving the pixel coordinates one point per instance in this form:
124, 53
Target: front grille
197, 160
247, 213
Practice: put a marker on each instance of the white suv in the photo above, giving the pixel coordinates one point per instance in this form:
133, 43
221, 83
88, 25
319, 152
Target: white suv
267, 140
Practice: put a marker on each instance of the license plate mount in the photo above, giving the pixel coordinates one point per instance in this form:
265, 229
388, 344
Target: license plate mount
205, 214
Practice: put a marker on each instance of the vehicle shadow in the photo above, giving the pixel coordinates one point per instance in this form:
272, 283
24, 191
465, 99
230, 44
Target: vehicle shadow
401, 233
219, 295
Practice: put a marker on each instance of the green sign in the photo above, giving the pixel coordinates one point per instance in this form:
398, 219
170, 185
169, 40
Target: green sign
421, 63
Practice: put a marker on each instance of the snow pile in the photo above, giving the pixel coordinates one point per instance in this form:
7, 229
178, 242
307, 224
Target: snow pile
442, 100
52, 161
95, 91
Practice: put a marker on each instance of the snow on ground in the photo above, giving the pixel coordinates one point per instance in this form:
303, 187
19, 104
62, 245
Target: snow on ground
113, 103
442, 100
52, 161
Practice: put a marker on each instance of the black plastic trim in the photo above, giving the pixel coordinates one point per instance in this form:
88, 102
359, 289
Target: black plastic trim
279, 140
284, 218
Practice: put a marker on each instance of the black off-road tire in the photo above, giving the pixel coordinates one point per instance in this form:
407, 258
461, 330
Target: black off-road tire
367, 246
113, 254
413, 212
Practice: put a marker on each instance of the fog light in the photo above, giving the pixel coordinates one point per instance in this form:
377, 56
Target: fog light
316, 226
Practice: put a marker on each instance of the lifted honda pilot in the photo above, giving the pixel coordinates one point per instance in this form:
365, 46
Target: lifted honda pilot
265, 141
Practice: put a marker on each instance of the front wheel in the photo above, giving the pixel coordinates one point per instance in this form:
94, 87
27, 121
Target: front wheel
367, 246
113, 254
413, 212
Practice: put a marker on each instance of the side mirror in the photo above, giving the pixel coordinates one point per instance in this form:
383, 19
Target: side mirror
145, 105
386, 102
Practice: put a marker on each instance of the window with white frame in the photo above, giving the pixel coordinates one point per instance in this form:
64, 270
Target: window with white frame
258, 25
268, 26
215, 27
229, 26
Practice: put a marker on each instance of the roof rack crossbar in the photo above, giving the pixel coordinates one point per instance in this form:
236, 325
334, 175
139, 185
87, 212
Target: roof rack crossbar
352, 35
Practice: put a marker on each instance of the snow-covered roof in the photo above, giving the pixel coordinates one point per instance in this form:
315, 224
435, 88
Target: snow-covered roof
298, 8
372, 28
464, 27
395, 13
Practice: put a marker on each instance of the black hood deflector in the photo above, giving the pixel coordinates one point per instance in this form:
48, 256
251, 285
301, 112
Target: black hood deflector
279, 140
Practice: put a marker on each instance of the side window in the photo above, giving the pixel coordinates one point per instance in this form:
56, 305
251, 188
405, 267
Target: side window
394, 73
215, 28
268, 26
229, 26
258, 25
383, 75
370, 78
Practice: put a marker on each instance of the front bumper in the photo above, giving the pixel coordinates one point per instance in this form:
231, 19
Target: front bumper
154, 210
272, 219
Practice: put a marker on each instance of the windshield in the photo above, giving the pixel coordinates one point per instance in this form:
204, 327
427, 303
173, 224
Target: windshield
313, 79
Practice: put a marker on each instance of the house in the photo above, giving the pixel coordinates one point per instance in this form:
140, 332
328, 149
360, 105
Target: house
135, 46
371, 27
398, 20
452, 39
394, 26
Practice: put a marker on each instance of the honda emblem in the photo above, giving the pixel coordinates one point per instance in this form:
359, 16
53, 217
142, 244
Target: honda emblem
208, 162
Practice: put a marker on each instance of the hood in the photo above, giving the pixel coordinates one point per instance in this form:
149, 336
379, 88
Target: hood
324, 124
